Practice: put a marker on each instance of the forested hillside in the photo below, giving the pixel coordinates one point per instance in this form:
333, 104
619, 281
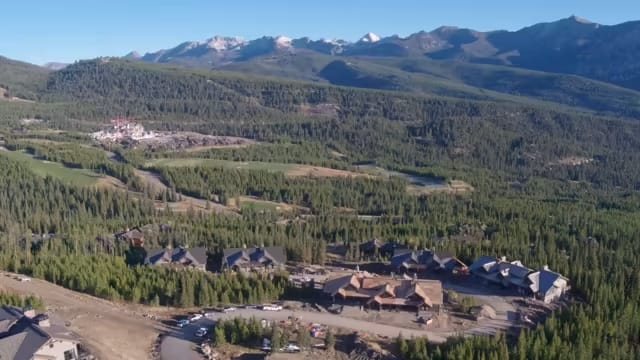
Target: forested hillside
551, 186
372, 125
21, 79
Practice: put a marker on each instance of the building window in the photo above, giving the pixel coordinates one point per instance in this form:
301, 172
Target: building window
70, 355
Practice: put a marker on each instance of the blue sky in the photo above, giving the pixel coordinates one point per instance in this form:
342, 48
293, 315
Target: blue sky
39, 31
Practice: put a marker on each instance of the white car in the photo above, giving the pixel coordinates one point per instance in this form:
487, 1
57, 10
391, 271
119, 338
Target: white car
195, 317
229, 309
24, 278
202, 332
183, 323
271, 307
290, 348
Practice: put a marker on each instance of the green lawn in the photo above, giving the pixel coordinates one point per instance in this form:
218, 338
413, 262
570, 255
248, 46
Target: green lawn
81, 177
249, 165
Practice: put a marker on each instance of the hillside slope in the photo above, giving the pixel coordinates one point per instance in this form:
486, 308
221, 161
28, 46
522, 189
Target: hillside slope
21, 79
387, 126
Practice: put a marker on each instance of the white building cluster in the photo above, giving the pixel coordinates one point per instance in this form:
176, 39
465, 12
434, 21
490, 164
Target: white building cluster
123, 130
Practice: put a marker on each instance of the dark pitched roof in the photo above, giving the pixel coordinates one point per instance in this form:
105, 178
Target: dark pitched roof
442, 256
273, 254
398, 259
371, 245
390, 247
197, 256
481, 262
9, 315
155, 255
22, 339
543, 280
421, 257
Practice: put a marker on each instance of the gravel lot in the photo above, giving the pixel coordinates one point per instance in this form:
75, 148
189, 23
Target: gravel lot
109, 330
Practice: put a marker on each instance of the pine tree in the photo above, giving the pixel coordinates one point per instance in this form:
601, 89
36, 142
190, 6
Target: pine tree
330, 340
304, 338
219, 337
277, 340
402, 346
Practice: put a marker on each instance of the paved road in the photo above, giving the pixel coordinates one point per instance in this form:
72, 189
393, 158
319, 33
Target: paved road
181, 343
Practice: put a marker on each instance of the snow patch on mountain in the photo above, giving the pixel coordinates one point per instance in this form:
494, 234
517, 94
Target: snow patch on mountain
224, 43
283, 41
370, 38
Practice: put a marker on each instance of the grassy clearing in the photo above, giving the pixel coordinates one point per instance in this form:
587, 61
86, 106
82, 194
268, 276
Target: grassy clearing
291, 170
249, 202
81, 177
250, 165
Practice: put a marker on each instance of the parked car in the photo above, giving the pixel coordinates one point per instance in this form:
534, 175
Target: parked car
272, 307
195, 317
182, 323
229, 309
202, 332
210, 315
290, 348
23, 278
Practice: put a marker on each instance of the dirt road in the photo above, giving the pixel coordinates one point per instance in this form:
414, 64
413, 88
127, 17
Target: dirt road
110, 331
336, 321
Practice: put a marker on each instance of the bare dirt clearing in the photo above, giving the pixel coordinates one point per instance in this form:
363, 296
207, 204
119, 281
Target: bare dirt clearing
420, 184
111, 183
318, 171
3, 96
109, 330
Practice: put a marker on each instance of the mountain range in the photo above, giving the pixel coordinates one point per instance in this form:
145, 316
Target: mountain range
571, 62
569, 46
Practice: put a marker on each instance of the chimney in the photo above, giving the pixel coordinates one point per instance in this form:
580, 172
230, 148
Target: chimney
545, 267
29, 312
42, 320
503, 258
44, 323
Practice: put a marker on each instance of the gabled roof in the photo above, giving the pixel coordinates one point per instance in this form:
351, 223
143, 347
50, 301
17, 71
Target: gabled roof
23, 339
398, 259
421, 257
516, 269
155, 256
442, 256
9, 315
426, 257
196, 256
269, 254
391, 247
483, 262
333, 286
370, 245
544, 280
385, 290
